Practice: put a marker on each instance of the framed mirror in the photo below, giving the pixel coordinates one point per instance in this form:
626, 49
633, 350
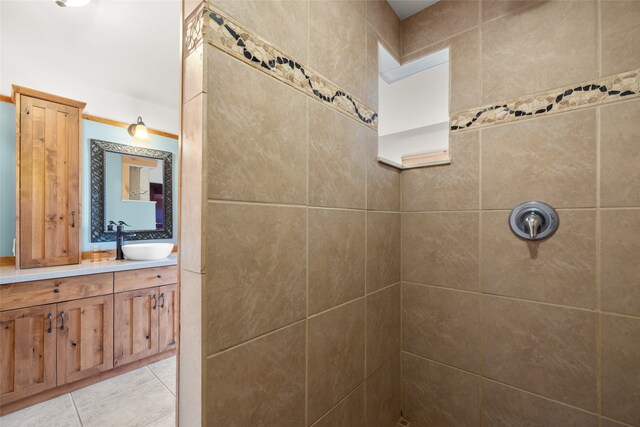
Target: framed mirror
130, 184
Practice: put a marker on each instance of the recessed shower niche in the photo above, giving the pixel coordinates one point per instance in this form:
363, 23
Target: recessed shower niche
413, 105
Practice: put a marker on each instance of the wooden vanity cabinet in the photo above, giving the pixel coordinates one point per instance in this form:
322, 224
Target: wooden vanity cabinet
27, 352
85, 338
145, 322
167, 317
136, 325
48, 172
82, 330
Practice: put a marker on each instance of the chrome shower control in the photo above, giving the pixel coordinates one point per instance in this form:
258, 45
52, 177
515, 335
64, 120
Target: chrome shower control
534, 221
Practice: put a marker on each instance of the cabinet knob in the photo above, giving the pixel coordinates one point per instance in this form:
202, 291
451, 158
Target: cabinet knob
56, 291
159, 276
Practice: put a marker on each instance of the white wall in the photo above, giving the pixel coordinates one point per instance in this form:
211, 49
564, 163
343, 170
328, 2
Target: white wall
100, 102
108, 54
415, 101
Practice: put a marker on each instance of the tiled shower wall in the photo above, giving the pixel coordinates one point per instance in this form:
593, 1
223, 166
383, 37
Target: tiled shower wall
494, 330
290, 235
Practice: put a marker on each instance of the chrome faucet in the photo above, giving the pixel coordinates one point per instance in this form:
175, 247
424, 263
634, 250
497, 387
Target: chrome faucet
120, 234
532, 224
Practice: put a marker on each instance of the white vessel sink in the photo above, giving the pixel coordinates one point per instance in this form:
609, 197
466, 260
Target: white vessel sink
147, 251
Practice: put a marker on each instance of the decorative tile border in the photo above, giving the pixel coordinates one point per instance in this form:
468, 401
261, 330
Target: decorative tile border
232, 38
193, 30
601, 91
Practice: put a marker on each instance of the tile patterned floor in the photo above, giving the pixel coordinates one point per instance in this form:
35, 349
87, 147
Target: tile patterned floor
144, 397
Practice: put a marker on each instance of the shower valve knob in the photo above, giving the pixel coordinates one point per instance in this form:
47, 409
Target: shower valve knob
534, 221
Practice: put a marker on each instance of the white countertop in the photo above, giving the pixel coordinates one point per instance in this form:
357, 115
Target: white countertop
9, 274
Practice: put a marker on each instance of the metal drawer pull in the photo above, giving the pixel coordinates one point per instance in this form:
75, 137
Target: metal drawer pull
73, 219
155, 302
159, 276
56, 291
162, 297
62, 316
50, 323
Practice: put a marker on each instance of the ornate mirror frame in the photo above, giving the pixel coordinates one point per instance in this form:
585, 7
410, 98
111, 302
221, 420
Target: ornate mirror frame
98, 188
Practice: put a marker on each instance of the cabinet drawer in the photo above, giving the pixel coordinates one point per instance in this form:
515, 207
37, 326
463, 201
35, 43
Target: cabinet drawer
145, 278
40, 292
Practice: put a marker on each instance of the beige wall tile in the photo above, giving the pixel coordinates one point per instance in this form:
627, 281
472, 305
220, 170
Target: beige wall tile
343, 63
257, 277
620, 36
282, 22
446, 187
604, 422
504, 406
191, 363
335, 356
371, 77
441, 249
492, 9
189, 6
464, 68
436, 395
552, 159
438, 22
544, 349
621, 368
620, 154
259, 383
383, 327
192, 190
385, 21
193, 75
337, 172
559, 49
257, 147
383, 394
620, 248
559, 270
442, 324
383, 249
336, 257
383, 182
348, 413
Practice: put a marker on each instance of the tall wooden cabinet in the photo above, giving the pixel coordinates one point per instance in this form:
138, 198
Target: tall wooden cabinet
48, 160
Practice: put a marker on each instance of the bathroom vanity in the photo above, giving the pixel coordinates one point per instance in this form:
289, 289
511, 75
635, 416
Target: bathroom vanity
63, 328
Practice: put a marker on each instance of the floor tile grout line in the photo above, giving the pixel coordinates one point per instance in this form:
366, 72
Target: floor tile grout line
75, 407
159, 379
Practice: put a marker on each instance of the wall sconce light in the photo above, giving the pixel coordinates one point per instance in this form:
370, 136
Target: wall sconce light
138, 130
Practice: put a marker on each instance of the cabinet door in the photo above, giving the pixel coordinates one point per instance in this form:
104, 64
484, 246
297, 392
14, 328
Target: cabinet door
48, 183
167, 317
85, 338
27, 352
136, 325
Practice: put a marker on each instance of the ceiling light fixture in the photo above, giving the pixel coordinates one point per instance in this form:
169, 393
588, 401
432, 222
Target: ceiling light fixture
72, 3
138, 130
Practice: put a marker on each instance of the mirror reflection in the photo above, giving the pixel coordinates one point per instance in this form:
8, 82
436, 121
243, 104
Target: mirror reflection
134, 191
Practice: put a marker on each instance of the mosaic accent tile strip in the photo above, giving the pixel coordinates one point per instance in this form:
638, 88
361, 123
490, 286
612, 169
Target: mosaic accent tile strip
604, 90
193, 32
230, 37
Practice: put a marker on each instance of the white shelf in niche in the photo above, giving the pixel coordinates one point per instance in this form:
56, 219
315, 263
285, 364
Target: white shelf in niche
416, 148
